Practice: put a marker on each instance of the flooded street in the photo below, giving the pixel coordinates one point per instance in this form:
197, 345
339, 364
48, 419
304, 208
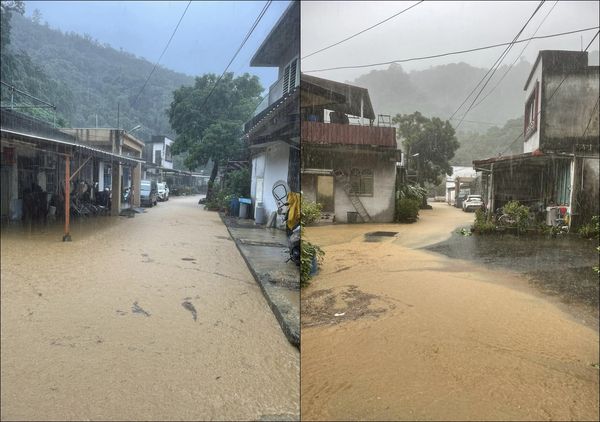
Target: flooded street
393, 331
155, 317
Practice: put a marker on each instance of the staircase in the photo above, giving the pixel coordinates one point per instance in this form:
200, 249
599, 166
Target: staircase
341, 178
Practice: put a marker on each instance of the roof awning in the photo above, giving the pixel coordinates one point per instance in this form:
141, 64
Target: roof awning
91, 150
337, 96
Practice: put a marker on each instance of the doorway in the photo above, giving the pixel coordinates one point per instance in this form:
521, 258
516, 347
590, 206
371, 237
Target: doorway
325, 191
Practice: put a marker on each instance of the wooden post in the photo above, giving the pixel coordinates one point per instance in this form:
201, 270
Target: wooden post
67, 236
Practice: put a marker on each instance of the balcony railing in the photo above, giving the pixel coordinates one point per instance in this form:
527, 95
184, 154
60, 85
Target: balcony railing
275, 93
338, 134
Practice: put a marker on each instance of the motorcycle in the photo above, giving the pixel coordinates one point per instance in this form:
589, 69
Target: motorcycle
288, 204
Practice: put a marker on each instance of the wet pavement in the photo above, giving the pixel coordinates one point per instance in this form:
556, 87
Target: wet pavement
559, 266
154, 317
266, 253
394, 331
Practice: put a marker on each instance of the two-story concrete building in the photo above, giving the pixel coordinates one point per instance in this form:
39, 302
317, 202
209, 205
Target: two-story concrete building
559, 163
273, 133
350, 169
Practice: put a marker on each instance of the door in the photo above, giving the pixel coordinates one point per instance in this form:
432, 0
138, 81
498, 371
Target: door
325, 193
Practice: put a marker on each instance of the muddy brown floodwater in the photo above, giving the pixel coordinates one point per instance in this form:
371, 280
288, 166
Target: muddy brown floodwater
392, 331
155, 317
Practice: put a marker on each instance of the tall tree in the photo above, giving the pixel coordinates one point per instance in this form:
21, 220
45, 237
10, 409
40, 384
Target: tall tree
212, 128
6, 10
429, 144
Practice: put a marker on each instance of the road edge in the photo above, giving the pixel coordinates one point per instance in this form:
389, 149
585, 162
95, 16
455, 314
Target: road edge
291, 332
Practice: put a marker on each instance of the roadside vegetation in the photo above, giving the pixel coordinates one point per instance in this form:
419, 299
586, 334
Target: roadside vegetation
408, 203
235, 185
311, 254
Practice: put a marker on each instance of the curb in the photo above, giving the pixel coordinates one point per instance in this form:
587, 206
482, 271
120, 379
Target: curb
290, 328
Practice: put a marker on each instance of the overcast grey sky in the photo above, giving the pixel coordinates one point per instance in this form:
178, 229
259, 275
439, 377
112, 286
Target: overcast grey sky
206, 40
434, 27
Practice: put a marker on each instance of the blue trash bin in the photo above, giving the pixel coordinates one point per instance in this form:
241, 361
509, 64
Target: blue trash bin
234, 207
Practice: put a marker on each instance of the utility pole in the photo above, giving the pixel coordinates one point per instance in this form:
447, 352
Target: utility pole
118, 116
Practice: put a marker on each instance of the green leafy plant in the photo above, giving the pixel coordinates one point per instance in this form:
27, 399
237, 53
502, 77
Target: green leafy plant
590, 229
412, 192
407, 210
310, 252
482, 224
309, 212
518, 215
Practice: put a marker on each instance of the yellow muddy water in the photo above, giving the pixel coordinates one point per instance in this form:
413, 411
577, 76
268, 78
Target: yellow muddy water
390, 332
103, 328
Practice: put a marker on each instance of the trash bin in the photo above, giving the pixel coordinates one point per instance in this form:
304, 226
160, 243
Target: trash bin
234, 207
260, 214
352, 217
244, 207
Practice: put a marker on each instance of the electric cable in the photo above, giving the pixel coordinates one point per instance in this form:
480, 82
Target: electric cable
516, 58
161, 54
560, 34
361, 32
254, 25
494, 68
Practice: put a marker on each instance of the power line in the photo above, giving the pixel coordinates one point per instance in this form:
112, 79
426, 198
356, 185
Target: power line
453, 52
161, 54
517, 57
256, 21
495, 67
361, 32
588, 46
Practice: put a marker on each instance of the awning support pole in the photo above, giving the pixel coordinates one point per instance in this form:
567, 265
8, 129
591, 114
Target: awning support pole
67, 236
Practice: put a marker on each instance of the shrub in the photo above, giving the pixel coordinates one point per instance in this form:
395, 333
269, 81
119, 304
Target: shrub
308, 253
407, 210
518, 213
482, 224
591, 229
238, 183
411, 192
309, 212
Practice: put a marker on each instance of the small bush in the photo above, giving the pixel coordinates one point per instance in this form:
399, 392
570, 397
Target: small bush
591, 229
308, 253
518, 213
310, 212
407, 210
482, 224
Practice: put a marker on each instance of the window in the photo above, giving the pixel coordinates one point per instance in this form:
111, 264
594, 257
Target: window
290, 76
531, 113
361, 182
168, 153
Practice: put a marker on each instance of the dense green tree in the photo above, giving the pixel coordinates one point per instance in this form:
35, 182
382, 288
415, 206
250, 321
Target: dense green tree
429, 145
212, 127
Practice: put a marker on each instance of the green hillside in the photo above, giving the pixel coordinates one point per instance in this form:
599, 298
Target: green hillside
85, 79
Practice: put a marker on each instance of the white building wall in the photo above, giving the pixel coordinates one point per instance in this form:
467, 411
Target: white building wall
257, 180
276, 168
381, 205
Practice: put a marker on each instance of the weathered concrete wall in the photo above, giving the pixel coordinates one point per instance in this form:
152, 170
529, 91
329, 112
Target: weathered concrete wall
566, 117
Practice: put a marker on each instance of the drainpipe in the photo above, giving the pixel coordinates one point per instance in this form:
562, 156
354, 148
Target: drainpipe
67, 236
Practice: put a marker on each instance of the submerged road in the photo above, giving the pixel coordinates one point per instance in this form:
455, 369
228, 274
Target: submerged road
155, 317
394, 332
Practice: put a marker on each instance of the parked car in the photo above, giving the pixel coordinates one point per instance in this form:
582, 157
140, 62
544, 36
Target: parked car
148, 193
472, 203
163, 191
